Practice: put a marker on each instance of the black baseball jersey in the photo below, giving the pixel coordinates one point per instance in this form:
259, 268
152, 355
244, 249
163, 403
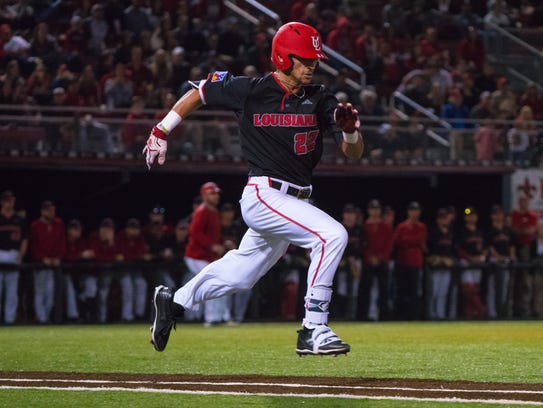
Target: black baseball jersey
470, 242
12, 232
281, 133
440, 242
500, 239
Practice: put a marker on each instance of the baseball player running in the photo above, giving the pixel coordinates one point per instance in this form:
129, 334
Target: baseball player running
283, 119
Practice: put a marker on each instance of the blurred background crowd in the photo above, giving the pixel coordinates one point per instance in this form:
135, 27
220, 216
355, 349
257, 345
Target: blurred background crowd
462, 264
92, 76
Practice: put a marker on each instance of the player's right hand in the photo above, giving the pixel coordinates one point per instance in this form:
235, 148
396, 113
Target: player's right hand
156, 146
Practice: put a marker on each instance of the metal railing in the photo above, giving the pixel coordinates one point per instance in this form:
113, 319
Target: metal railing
513, 56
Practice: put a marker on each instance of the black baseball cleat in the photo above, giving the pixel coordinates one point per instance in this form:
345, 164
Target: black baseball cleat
164, 318
320, 340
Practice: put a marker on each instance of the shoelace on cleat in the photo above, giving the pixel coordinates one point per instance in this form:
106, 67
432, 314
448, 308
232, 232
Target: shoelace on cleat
323, 335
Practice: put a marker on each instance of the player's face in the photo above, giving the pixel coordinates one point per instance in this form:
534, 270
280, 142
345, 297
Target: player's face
212, 198
303, 69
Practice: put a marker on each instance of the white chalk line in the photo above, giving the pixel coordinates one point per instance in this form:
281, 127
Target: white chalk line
265, 394
272, 384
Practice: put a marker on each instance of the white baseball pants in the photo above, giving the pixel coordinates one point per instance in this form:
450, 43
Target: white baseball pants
275, 220
9, 285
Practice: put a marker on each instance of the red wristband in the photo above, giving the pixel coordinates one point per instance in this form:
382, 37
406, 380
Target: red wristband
158, 133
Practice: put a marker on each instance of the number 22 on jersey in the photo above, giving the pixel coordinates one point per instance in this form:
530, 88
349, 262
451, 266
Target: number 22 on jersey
304, 142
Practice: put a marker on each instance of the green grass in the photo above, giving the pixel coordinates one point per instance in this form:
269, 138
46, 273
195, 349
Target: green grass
479, 351
501, 351
70, 399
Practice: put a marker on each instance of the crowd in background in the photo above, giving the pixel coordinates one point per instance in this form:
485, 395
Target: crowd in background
139, 55
460, 265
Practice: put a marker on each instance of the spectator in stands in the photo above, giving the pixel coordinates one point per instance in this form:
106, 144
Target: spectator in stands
471, 49
376, 253
415, 137
161, 69
133, 283
180, 70
395, 66
483, 110
18, 13
232, 230
136, 19
467, 16
392, 141
13, 246
231, 45
367, 53
77, 252
524, 224
342, 38
62, 78
455, 112
140, 75
503, 100
98, 30
45, 47
12, 45
533, 98
497, 15
520, 136
430, 46
39, 85
440, 259
394, 16
297, 10
47, 247
88, 87
311, 16
134, 131
471, 250
105, 247
94, 136
486, 78
258, 53
119, 89
369, 106
161, 37
12, 84
487, 142
410, 238
192, 37
501, 251
74, 40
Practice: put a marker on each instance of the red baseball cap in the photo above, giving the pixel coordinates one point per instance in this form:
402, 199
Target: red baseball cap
209, 187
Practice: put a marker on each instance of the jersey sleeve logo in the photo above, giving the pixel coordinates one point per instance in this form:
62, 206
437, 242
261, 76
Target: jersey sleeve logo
218, 76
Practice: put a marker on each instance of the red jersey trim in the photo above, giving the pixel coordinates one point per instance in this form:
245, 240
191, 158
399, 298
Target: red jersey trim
323, 241
284, 88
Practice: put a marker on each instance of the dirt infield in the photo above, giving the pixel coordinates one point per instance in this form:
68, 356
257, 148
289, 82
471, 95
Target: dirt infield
423, 390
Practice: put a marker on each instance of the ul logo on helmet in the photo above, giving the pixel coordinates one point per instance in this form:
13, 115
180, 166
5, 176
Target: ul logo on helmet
316, 42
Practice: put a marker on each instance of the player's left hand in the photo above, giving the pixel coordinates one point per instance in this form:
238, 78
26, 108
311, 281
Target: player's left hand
156, 146
346, 117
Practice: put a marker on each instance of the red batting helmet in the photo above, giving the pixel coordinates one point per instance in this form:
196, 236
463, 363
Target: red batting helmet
297, 39
209, 187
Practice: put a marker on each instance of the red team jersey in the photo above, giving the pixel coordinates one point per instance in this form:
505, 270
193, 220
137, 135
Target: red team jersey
521, 220
47, 240
205, 231
409, 242
379, 241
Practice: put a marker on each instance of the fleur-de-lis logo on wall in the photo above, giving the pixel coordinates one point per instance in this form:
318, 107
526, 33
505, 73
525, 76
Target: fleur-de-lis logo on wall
316, 42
